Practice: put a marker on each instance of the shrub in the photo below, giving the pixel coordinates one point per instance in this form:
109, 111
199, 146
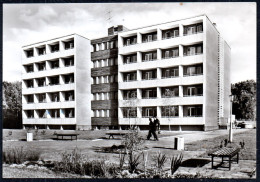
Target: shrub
175, 163
43, 132
160, 160
18, 156
121, 160
133, 161
132, 141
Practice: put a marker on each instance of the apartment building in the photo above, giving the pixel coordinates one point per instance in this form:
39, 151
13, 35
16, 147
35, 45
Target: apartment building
178, 71
104, 73
56, 83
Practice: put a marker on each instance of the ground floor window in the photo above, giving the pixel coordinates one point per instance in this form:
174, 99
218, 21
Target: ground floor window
149, 112
130, 112
170, 111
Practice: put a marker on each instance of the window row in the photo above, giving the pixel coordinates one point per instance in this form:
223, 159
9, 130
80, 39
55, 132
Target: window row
166, 92
166, 34
190, 50
50, 113
49, 81
105, 96
104, 46
104, 79
105, 113
105, 62
54, 47
50, 64
51, 97
170, 72
165, 111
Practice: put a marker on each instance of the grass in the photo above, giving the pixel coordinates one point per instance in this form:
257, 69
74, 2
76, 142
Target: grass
248, 153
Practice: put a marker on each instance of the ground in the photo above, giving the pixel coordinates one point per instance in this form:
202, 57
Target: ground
197, 146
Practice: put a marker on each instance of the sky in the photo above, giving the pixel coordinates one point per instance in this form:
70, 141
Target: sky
24, 24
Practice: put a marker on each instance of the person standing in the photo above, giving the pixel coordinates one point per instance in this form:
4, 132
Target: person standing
157, 123
152, 129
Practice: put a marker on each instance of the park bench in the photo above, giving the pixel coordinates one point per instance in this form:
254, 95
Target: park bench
112, 134
225, 152
75, 135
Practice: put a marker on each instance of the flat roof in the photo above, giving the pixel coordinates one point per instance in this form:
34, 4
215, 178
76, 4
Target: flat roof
54, 39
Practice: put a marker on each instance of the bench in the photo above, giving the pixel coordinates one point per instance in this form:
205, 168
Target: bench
67, 134
225, 152
117, 134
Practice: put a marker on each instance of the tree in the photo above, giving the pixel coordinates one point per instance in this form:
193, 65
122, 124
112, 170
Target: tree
244, 104
12, 104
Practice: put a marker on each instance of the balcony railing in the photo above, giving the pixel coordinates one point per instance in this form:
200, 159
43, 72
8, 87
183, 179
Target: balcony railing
170, 116
149, 97
174, 36
193, 116
149, 60
193, 95
192, 33
129, 98
165, 77
145, 79
130, 62
170, 96
130, 44
197, 74
170, 57
191, 54
130, 80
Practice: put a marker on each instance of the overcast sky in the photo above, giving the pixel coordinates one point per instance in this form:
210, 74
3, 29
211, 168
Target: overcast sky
30, 23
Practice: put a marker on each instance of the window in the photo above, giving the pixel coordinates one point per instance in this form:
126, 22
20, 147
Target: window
29, 114
149, 93
69, 113
69, 96
129, 94
195, 90
69, 62
29, 68
41, 82
41, 51
29, 83
42, 113
130, 112
193, 29
41, 66
69, 45
130, 76
194, 111
29, 53
130, 59
193, 70
130, 40
149, 37
170, 111
54, 64
55, 113
69, 78
29, 99
149, 74
193, 50
55, 48
55, 97
42, 98
169, 92
149, 112
54, 80
149, 56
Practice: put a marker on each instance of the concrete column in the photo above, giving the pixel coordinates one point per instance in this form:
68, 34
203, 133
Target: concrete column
180, 71
120, 77
139, 38
120, 41
62, 96
120, 95
139, 93
180, 51
139, 112
180, 111
62, 79
139, 75
120, 60
48, 65
35, 52
139, 57
48, 97
35, 83
48, 113
61, 63
159, 34
35, 114
35, 100
120, 113
48, 49
181, 30
159, 73
35, 67
62, 46
180, 91
159, 54
62, 113
159, 94
159, 113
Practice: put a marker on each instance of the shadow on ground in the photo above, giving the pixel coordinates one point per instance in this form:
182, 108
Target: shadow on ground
195, 162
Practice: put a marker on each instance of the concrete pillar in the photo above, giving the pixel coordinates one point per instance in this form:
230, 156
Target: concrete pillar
159, 54
48, 65
120, 95
120, 41
159, 73
180, 91
48, 113
62, 113
61, 128
181, 30
35, 114
48, 97
180, 111
180, 50
61, 63
139, 38
159, 94
47, 127
159, 113
35, 100
35, 52
62, 96
62, 79
139, 57
120, 113
180, 71
139, 93
35, 83
48, 49
62, 46
35, 67
139, 75
159, 34
139, 112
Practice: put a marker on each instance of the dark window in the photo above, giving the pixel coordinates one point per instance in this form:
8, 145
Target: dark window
170, 33
170, 72
170, 53
149, 56
129, 94
127, 59
42, 51
55, 48
69, 61
29, 53
193, 29
193, 50
54, 64
149, 112
69, 45
168, 92
130, 112
149, 74
70, 113
150, 93
129, 76
130, 40
69, 96
170, 111
149, 37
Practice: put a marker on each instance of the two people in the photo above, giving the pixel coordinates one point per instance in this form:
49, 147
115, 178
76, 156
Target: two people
154, 124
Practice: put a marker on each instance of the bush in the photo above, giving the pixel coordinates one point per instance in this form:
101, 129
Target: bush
18, 156
132, 141
73, 163
175, 163
160, 160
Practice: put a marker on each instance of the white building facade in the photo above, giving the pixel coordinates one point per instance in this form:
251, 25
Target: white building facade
56, 83
177, 71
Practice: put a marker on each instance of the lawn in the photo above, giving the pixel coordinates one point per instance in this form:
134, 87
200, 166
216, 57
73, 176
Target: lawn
248, 153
